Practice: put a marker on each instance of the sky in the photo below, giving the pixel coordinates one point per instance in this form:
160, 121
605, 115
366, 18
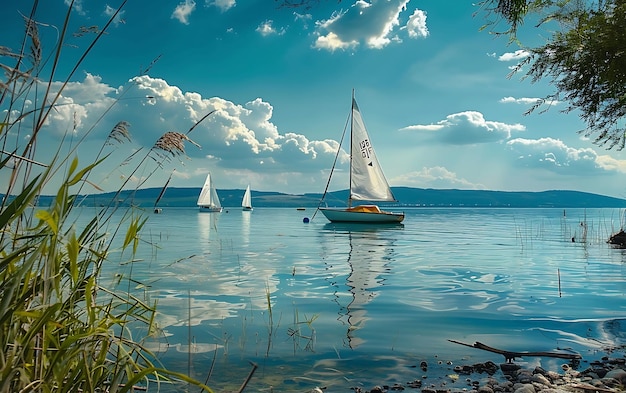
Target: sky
434, 90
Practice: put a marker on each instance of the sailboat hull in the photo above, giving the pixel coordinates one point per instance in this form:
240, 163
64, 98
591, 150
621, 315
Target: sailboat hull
362, 214
210, 209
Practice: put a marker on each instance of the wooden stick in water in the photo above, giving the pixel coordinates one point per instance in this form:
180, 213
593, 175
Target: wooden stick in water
510, 356
558, 272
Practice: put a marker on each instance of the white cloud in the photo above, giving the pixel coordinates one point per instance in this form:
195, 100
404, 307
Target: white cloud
466, 128
110, 11
223, 5
555, 156
80, 104
304, 18
527, 101
77, 6
435, 177
416, 26
236, 139
371, 23
183, 10
609, 163
267, 28
238, 136
515, 56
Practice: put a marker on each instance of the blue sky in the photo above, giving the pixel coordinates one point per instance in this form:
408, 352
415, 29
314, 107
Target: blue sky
432, 88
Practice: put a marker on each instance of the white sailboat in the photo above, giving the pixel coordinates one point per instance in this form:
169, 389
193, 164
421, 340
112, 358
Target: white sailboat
367, 180
208, 201
246, 202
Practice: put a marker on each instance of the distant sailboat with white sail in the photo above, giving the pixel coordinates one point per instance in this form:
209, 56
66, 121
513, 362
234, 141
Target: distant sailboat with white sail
209, 201
246, 202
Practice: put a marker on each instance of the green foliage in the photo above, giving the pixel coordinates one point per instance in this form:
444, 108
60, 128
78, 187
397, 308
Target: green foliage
60, 329
584, 59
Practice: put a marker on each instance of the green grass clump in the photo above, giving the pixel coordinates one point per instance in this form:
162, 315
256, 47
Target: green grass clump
60, 329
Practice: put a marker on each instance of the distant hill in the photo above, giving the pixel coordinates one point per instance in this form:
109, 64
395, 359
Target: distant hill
407, 197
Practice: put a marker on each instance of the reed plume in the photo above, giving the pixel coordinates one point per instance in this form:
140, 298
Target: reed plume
119, 133
171, 144
33, 32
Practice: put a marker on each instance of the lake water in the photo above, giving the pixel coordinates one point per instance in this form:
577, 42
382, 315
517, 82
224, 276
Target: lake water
343, 306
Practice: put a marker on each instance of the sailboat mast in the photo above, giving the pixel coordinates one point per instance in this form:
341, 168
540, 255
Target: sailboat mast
351, 136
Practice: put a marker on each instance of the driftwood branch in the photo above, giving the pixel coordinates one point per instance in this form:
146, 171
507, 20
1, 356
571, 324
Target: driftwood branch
510, 356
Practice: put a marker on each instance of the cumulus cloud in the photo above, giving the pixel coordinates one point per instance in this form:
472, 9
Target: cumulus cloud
435, 177
416, 26
223, 5
80, 104
467, 128
554, 155
235, 135
267, 28
515, 56
183, 10
238, 140
370, 23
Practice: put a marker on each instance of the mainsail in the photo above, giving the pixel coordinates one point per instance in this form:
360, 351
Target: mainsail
246, 202
367, 181
205, 195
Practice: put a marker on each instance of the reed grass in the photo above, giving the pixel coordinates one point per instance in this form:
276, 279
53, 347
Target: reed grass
61, 330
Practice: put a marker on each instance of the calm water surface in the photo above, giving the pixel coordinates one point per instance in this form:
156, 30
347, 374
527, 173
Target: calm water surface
341, 306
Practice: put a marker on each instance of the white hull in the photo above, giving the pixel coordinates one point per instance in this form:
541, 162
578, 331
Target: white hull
247, 208
210, 209
344, 215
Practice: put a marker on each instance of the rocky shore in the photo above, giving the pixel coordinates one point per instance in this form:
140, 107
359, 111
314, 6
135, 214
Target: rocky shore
606, 375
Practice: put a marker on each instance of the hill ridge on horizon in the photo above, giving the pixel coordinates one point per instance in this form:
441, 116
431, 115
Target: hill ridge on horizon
406, 196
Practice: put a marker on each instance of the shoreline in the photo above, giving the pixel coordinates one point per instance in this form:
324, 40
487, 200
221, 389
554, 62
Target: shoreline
604, 375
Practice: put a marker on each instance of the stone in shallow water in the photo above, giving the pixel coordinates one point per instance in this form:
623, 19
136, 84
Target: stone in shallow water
617, 374
509, 368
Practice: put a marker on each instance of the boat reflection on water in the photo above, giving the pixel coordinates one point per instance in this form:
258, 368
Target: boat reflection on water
245, 227
370, 254
207, 223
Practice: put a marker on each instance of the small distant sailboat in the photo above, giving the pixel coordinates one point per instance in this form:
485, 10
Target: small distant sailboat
246, 202
367, 180
209, 201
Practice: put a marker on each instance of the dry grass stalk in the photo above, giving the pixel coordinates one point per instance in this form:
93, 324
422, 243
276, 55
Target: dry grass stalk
119, 133
172, 144
83, 30
33, 33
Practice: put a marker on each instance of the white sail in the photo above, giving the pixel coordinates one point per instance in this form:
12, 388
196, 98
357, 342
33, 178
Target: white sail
246, 202
215, 200
367, 181
205, 195
208, 199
